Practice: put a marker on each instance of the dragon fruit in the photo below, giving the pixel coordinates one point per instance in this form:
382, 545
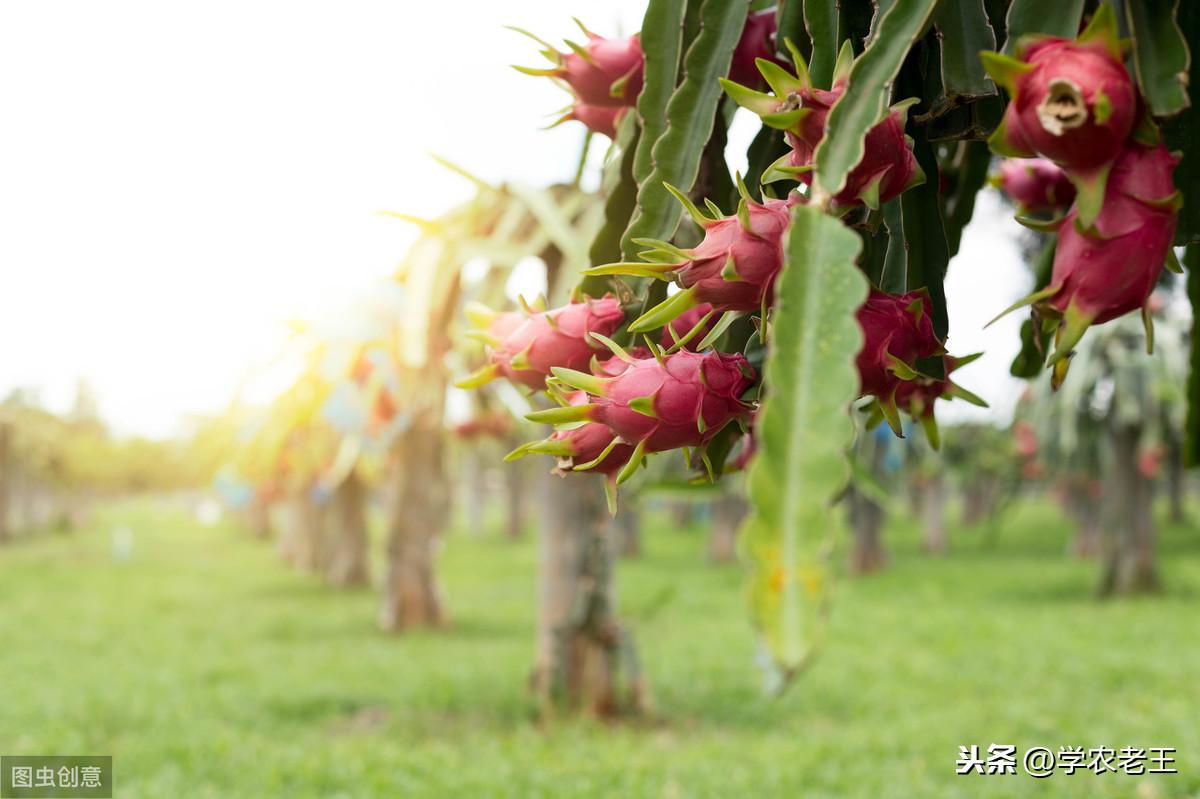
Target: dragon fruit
690, 327
732, 269
758, 41
897, 332
558, 337
601, 119
660, 403
1036, 185
603, 72
589, 447
888, 166
1109, 269
1072, 101
917, 396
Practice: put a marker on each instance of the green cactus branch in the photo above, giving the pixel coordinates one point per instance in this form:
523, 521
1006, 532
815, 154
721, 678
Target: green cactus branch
865, 100
1059, 18
803, 430
691, 114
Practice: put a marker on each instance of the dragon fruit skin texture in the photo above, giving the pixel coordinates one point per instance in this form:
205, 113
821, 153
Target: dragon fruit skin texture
528, 352
682, 400
692, 396
602, 119
589, 445
1036, 185
1108, 270
758, 41
602, 72
610, 74
590, 448
897, 331
888, 166
586, 444
603, 75
732, 269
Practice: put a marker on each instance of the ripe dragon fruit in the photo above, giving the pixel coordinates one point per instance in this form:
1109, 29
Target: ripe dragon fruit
897, 331
918, 396
1072, 101
660, 403
758, 41
1110, 269
732, 269
1036, 185
888, 166
589, 447
528, 352
604, 73
596, 118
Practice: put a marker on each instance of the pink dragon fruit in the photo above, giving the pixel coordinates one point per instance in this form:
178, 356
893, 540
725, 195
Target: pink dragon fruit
1036, 185
917, 396
601, 119
888, 167
732, 269
590, 447
660, 403
690, 327
897, 331
1072, 101
1110, 269
558, 337
603, 72
758, 41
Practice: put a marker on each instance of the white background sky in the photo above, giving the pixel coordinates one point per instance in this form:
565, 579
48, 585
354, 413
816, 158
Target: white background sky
178, 180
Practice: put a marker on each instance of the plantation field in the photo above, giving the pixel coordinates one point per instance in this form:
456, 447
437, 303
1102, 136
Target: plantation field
208, 670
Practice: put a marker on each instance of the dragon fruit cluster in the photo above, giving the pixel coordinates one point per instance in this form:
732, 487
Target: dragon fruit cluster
604, 76
1074, 104
615, 406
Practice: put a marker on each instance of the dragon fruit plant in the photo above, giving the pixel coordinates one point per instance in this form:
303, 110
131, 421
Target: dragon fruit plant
1074, 102
818, 288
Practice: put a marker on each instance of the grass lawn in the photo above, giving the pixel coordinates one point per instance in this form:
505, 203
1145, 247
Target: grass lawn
208, 670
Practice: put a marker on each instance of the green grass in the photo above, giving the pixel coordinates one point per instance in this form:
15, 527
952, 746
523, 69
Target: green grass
208, 670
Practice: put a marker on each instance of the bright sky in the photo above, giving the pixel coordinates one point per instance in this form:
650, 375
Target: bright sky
178, 180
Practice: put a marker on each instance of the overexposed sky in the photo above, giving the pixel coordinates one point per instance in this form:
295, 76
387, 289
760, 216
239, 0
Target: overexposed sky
178, 180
